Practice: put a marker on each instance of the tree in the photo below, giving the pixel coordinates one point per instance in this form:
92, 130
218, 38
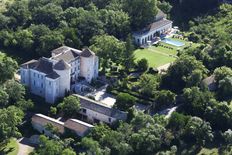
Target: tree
48, 14
164, 6
225, 88
164, 98
124, 101
142, 12
24, 104
177, 123
227, 135
142, 64
19, 13
181, 71
7, 68
147, 140
128, 54
24, 39
148, 84
50, 41
88, 24
49, 147
68, 152
52, 129
11, 117
53, 111
4, 21
200, 130
15, 90
141, 121
70, 106
99, 131
116, 22
91, 146
222, 72
196, 101
195, 78
108, 48
4, 98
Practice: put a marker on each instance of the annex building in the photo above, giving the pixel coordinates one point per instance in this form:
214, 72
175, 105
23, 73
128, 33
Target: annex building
160, 26
51, 78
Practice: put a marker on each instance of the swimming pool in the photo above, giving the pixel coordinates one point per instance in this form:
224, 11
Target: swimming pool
173, 42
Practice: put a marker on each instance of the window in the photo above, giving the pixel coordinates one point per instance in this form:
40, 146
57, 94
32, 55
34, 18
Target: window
34, 74
34, 82
38, 75
109, 119
41, 85
50, 83
84, 111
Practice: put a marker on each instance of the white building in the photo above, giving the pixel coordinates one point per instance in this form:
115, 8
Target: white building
96, 112
51, 77
160, 26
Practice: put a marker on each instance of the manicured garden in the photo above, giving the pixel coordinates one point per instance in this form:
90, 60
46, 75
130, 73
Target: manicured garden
161, 54
154, 59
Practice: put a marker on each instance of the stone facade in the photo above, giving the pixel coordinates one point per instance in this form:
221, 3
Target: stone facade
96, 112
51, 77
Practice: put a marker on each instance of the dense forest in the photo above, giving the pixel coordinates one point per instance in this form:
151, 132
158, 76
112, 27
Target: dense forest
32, 28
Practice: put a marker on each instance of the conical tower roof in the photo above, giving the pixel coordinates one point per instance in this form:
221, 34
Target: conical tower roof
61, 65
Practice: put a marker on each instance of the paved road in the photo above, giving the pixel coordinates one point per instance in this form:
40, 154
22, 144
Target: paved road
164, 67
168, 112
24, 147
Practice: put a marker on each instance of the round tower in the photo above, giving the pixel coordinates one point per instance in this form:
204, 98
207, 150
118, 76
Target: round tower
64, 70
87, 64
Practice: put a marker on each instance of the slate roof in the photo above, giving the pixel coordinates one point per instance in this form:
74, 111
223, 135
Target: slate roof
29, 64
67, 56
44, 66
60, 50
61, 65
101, 108
86, 52
53, 75
154, 26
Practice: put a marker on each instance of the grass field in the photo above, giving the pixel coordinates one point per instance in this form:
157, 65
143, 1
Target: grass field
158, 56
10, 149
154, 59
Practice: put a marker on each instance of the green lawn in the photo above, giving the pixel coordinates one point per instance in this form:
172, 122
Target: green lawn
158, 56
11, 148
154, 59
